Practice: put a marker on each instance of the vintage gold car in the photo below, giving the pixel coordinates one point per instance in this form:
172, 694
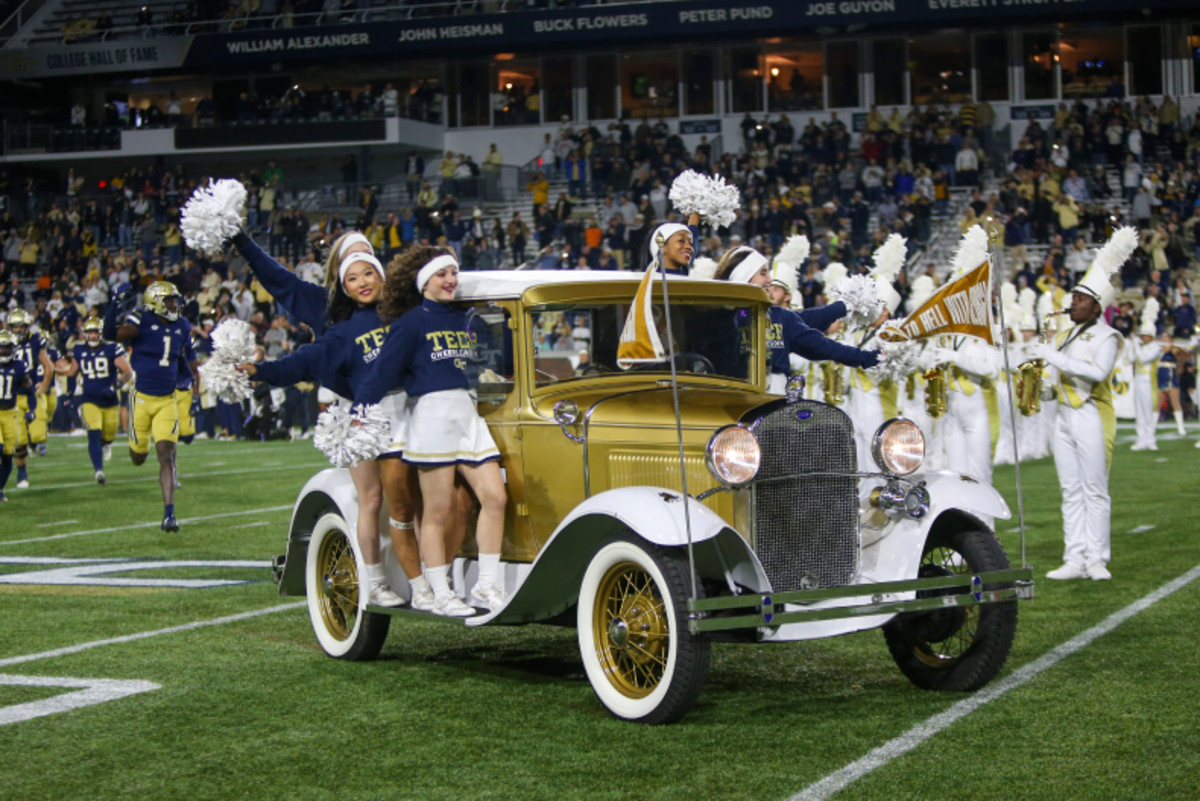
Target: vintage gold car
783, 536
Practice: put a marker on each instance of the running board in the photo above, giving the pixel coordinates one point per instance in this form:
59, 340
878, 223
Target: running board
767, 609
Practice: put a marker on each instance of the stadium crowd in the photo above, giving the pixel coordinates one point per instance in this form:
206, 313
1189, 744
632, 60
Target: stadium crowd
1063, 186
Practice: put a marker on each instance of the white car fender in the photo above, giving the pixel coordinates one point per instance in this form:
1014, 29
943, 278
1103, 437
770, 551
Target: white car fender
655, 514
948, 490
336, 485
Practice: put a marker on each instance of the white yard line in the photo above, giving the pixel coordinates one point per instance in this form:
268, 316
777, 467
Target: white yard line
59, 523
881, 756
198, 624
182, 476
152, 524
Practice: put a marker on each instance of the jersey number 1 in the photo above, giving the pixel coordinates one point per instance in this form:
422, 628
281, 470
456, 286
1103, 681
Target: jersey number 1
166, 359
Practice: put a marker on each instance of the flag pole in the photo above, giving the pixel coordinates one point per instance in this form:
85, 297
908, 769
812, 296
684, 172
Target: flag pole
687, 515
994, 254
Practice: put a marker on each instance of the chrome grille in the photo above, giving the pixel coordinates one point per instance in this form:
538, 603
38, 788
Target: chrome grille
806, 527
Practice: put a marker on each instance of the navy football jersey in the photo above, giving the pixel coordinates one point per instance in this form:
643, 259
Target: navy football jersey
30, 352
98, 371
12, 377
155, 352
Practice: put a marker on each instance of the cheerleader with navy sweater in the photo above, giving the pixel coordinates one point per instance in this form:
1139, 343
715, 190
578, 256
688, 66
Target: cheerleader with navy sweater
788, 332
427, 351
340, 359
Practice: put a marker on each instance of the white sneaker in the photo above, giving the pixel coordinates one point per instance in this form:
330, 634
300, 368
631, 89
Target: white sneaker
108, 453
1068, 571
1098, 572
100, 478
1197, 444
422, 596
1139, 447
23, 483
451, 606
489, 596
383, 595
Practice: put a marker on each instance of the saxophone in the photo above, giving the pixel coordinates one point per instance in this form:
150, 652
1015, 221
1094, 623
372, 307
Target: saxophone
1032, 373
831, 376
935, 391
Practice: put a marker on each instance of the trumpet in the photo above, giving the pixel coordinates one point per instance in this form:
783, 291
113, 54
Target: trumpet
831, 376
1032, 374
935, 391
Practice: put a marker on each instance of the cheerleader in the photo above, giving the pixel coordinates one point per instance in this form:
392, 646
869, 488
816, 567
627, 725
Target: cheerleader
787, 331
313, 305
340, 359
427, 350
673, 245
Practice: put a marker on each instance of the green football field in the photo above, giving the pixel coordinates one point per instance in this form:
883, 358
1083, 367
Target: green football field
113, 686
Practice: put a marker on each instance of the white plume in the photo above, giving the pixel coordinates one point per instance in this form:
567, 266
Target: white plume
213, 215
1117, 250
889, 258
834, 272
1149, 322
972, 251
710, 197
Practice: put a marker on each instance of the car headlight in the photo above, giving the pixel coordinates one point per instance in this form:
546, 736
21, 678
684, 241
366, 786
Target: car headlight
733, 455
898, 447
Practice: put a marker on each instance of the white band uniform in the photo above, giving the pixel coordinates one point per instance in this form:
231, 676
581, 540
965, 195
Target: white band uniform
444, 428
432, 267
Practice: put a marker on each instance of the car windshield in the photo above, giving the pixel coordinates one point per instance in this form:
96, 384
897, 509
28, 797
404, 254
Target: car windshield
575, 340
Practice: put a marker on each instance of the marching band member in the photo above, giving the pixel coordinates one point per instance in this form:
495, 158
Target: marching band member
913, 400
1083, 356
1003, 448
1146, 350
1031, 441
974, 366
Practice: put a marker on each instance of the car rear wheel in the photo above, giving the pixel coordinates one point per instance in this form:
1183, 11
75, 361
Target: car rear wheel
643, 663
343, 627
955, 648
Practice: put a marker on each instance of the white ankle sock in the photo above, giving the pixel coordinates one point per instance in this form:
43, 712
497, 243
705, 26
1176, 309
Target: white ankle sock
1179, 422
436, 576
489, 568
418, 584
375, 574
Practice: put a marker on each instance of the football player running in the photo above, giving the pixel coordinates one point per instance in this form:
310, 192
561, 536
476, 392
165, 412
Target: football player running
158, 339
38, 356
104, 368
14, 381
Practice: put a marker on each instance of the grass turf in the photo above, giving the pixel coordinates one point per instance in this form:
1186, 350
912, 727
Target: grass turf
253, 709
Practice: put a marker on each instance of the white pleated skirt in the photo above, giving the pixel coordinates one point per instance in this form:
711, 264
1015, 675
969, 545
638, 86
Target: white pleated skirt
395, 407
444, 428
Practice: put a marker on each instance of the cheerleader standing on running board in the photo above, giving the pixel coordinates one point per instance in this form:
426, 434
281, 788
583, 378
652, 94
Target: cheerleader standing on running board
427, 350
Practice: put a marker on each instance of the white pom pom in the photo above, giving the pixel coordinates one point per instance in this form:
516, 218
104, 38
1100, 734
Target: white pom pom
233, 341
225, 381
213, 215
861, 296
711, 198
703, 267
349, 437
897, 360
972, 252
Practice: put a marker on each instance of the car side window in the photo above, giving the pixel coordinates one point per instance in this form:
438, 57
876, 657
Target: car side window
490, 369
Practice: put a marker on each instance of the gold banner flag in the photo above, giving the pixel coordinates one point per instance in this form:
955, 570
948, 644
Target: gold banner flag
640, 342
963, 306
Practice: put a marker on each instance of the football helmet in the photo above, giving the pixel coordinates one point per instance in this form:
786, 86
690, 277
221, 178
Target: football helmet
93, 331
19, 322
8, 346
164, 299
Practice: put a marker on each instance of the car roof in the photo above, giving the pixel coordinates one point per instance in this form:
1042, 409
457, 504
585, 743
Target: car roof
507, 284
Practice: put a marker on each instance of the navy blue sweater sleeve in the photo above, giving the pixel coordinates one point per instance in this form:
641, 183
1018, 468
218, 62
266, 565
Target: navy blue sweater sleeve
309, 363
394, 358
815, 346
304, 301
822, 317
